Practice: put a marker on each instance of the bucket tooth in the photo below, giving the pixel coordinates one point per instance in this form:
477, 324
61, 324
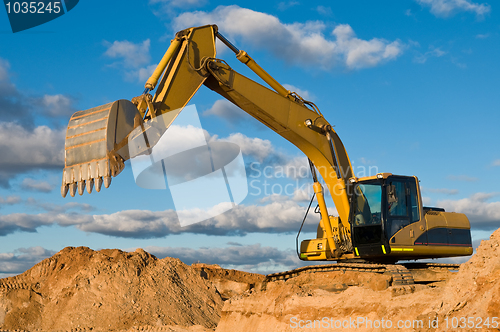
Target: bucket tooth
107, 181
64, 190
72, 189
81, 187
90, 185
98, 184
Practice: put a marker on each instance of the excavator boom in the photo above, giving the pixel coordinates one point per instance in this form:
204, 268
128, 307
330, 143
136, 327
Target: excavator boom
99, 140
101, 148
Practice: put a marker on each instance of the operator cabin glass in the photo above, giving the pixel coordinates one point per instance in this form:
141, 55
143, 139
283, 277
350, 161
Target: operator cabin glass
367, 213
368, 204
402, 205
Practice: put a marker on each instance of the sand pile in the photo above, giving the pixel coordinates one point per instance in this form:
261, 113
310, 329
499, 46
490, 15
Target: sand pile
80, 289
476, 288
107, 290
363, 302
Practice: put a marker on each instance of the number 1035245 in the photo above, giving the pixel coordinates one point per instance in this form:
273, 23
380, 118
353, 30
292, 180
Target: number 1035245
33, 7
471, 322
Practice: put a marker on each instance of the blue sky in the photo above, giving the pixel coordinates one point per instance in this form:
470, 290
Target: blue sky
411, 87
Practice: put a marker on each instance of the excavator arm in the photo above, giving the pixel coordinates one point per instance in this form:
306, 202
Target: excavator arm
189, 63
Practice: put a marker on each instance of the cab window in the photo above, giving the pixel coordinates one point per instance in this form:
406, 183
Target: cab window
367, 204
402, 204
415, 211
396, 199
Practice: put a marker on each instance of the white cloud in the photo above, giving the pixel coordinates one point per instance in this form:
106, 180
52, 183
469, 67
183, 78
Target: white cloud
301, 195
23, 146
20, 148
61, 209
168, 7
360, 53
133, 55
297, 168
144, 73
446, 8
303, 93
252, 258
445, 191
10, 200
433, 52
464, 178
457, 63
258, 148
269, 160
24, 222
22, 259
284, 5
481, 213
16, 106
426, 201
261, 152
181, 138
140, 75
4, 69
226, 110
275, 217
186, 155
36, 185
482, 35
496, 162
278, 216
23, 149
325, 11
57, 105
301, 43
134, 59
134, 223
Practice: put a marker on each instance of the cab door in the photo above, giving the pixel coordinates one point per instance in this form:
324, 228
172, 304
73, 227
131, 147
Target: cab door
402, 211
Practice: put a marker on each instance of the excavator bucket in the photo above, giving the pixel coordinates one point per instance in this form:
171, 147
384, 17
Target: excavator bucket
96, 145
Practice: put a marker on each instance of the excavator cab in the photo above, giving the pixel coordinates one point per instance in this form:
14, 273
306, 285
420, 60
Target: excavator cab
389, 222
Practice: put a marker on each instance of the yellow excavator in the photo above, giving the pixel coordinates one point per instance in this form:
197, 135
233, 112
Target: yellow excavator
381, 218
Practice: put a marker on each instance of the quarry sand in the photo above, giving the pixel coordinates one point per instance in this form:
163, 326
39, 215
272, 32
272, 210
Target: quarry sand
79, 289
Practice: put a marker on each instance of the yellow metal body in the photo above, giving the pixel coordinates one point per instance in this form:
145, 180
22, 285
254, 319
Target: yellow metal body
410, 242
325, 218
153, 80
190, 62
247, 60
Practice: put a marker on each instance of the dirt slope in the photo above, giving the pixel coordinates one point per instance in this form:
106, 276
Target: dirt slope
107, 290
80, 289
229, 283
286, 306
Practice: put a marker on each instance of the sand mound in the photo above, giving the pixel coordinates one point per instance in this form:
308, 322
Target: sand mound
477, 285
80, 289
107, 290
361, 302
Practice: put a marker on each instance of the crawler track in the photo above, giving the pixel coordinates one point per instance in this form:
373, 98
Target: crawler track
402, 274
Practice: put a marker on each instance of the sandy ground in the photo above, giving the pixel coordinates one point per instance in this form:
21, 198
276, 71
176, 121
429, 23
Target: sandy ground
79, 289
